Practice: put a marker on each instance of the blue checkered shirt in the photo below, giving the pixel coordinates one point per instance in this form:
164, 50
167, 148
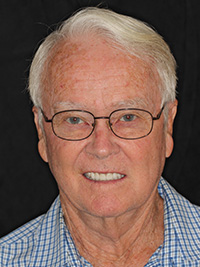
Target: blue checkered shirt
46, 242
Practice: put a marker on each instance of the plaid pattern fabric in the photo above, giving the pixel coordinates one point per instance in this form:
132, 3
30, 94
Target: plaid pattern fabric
45, 241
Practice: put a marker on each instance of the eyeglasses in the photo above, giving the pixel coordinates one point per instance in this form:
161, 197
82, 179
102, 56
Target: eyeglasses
128, 123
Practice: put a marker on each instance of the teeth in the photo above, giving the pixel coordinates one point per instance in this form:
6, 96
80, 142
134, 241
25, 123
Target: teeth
103, 177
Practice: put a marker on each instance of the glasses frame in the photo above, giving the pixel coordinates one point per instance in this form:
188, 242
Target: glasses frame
157, 117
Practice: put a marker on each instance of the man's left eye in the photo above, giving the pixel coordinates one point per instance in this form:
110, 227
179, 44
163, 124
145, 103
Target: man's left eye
128, 117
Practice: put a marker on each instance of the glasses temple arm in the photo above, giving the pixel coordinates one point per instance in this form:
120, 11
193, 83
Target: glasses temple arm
45, 117
159, 114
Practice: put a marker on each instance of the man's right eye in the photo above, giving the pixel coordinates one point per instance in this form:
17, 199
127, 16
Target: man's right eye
74, 120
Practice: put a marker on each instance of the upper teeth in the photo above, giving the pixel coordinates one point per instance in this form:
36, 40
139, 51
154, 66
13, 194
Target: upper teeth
103, 176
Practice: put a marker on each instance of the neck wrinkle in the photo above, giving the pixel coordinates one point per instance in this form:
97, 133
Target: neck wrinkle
116, 242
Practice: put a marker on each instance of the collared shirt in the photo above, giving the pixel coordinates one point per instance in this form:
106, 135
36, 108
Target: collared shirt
46, 241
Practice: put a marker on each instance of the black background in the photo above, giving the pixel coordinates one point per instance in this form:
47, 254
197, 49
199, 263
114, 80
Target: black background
26, 186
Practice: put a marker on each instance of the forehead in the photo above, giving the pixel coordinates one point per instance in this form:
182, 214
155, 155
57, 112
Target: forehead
92, 68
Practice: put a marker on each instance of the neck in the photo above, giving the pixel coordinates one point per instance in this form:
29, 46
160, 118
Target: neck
117, 241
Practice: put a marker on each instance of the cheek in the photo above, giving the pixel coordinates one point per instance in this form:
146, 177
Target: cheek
149, 154
150, 148
59, 156
62, 156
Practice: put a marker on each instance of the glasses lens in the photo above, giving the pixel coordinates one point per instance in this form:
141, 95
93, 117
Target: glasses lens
73, 125
131, 123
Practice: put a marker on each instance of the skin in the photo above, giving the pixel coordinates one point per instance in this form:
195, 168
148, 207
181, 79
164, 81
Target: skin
115, 223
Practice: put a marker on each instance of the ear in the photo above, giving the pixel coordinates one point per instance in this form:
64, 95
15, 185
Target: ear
172, 109
42, 148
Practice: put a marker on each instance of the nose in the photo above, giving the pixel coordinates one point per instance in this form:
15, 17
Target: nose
102, 143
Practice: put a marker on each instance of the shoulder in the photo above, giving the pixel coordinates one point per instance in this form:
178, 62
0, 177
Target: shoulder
17, 248
23, 232
19, 242
182, 226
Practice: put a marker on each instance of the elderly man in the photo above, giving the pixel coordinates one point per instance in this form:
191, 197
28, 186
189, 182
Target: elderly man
103, 88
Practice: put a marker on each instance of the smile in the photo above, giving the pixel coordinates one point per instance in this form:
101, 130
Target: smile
95, 176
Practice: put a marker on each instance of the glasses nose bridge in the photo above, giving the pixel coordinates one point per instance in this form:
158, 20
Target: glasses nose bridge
103, 118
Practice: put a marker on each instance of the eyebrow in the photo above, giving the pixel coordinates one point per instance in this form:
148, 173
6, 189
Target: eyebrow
134, 103
68, 105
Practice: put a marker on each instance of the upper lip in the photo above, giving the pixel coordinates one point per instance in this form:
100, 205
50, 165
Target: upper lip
104, 172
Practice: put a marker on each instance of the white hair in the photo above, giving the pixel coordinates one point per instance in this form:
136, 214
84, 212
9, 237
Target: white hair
131, 35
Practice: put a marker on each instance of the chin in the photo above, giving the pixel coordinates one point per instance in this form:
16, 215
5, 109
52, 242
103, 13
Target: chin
107, 208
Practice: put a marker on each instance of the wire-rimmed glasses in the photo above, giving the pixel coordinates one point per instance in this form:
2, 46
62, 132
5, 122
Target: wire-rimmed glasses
127, 123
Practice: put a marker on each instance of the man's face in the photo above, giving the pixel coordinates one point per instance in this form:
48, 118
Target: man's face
93, 76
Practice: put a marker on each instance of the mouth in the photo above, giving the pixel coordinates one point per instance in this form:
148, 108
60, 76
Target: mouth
95, 176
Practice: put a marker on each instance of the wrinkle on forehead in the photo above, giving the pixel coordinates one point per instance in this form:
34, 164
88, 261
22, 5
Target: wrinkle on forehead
71, 58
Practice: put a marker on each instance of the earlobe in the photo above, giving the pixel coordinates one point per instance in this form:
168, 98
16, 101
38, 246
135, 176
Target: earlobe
172, 109
41, 137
